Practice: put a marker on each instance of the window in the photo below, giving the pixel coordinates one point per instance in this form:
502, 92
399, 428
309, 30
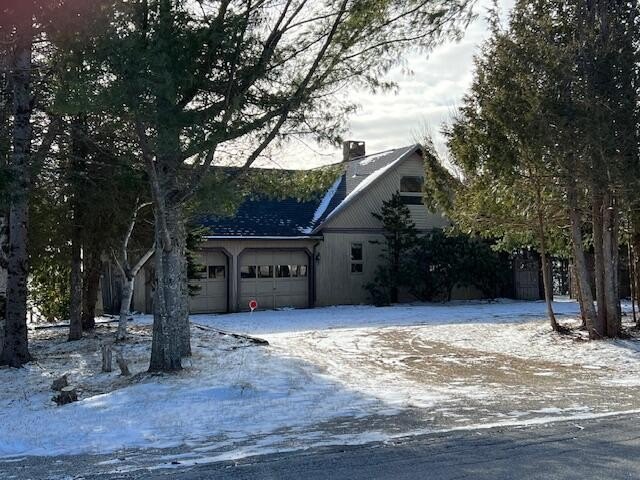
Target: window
217, 271
283, 271
412, 199
411, 190
248, 271
297, 271
411, 184
356, 258
265, 271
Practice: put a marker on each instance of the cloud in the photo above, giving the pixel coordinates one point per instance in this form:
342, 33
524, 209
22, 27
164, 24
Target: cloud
425, 99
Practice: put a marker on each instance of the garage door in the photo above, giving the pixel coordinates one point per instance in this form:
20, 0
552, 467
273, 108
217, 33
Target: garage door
274, 279
212, 295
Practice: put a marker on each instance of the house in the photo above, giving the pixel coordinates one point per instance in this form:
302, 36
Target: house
285, 253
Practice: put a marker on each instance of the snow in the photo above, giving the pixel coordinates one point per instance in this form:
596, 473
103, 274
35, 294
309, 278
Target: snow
336, 375
372, 158
370, 179
324, 204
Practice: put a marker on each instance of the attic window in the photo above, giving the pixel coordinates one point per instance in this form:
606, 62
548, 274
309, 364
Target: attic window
411, 184
411, 190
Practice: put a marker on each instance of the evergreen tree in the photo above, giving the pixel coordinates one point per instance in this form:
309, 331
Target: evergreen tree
400, 235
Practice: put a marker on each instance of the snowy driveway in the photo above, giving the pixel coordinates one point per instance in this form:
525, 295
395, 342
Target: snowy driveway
340, 375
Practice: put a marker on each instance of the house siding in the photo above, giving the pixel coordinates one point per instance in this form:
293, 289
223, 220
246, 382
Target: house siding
335, 283
358, 214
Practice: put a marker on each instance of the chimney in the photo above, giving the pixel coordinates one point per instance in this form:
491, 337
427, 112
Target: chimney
352, 149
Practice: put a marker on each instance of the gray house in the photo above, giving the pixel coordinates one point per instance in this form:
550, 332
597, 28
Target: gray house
285, 253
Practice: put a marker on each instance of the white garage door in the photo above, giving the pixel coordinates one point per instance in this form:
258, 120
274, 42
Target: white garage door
274, 279
212, 296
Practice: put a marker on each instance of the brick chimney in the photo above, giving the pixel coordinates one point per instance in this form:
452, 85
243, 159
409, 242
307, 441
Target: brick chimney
352, 149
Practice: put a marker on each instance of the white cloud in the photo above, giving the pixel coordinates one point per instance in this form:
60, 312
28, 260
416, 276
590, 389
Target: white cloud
425, 99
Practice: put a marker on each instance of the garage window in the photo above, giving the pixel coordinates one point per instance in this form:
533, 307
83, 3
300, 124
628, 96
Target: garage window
217, 271
356, 258
283, 271
302, 270
265, 271
248, 271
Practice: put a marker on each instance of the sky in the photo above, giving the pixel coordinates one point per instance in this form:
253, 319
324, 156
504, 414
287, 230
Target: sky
429, 92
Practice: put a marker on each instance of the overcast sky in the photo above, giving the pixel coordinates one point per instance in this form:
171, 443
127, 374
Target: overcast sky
426, 99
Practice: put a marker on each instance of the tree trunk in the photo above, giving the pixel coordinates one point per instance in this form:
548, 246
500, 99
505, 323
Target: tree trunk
171, 338
635, 249
598, 262
127, 295
75, 323
576, 282
546, 277
15, 351
632, 281
609, 257
582, 273
91, 284
76, 165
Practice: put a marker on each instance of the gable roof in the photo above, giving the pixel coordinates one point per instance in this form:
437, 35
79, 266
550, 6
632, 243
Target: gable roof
260, 217
386, 162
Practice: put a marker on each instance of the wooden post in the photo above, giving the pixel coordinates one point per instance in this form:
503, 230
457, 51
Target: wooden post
106, 358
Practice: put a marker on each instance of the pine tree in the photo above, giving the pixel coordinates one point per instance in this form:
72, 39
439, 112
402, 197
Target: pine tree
400, 235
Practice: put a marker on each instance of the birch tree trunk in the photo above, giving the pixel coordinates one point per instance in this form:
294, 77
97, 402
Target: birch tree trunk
15, 351
582, 273
128, 284
125, 305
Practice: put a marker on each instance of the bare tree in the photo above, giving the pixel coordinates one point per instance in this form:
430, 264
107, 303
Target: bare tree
129, 273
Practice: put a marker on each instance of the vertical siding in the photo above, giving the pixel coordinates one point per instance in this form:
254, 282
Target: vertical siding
358, 213
336, 284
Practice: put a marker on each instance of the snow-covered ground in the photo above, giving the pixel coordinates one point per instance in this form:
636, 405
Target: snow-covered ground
329, 376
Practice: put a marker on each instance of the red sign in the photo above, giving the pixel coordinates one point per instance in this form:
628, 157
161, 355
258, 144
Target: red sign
253, 305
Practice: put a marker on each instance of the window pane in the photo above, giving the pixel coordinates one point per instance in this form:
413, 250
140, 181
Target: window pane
412, 199
356, 268
411, 184
356, 251
302, 270
217, 271
265, 271
283, 271
248, 271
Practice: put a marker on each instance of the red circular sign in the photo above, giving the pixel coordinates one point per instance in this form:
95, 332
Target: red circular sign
253, 305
